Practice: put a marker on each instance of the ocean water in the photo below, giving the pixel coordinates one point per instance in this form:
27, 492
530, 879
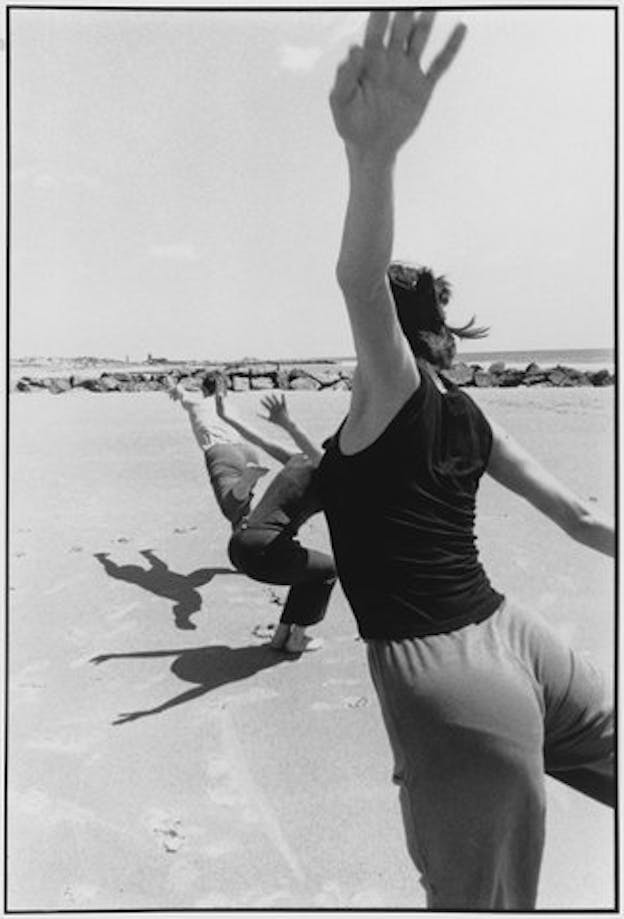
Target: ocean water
581, 358
590, 358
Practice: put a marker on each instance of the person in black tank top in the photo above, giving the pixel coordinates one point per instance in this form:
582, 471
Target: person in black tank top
479, 698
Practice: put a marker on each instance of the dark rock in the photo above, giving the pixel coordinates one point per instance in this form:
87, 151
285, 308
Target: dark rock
108, 383
461, 374
23, 386
483, 378
91, 384
567, 376
59, 385
304, 382
497, 367
79, 379
511, 377
252, 370
262, 383
326, 378
601, 378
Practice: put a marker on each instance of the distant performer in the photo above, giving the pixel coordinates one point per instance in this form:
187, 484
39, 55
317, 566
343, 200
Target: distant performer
234, 469
264, 543
480, 698
233, 466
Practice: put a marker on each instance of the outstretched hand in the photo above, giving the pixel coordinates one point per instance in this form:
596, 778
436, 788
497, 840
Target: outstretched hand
277, 411
381, 91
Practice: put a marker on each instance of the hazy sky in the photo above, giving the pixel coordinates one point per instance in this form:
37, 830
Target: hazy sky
177, 186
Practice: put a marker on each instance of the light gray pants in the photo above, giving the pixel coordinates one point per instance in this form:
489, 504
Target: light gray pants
475, 719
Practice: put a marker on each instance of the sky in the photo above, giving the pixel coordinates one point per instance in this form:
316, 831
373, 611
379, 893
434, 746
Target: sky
177, 187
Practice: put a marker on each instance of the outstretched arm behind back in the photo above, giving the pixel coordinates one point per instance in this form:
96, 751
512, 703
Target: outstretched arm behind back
512, 466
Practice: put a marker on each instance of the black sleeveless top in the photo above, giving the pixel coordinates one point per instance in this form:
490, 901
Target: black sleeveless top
401, 516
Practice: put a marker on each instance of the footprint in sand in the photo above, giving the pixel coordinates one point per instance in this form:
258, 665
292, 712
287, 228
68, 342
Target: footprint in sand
349, 702
122, 539
76, 549
264, 631
169, 833
274, 597
356, 702
20, 554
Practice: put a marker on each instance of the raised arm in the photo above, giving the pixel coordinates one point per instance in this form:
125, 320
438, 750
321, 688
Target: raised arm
379, 97
277, 451
277, 413
177, 393
516, 469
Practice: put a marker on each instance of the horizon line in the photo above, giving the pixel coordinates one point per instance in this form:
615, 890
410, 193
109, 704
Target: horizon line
283, 360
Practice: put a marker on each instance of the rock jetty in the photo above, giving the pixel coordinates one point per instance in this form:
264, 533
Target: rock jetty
309, 376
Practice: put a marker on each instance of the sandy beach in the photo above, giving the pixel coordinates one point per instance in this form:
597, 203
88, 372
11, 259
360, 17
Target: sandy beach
189, 766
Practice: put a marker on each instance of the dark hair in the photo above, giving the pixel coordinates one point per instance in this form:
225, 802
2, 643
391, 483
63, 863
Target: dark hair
420, 299
211, 382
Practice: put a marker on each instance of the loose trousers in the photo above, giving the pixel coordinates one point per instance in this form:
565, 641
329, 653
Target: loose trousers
226, 464
475, 719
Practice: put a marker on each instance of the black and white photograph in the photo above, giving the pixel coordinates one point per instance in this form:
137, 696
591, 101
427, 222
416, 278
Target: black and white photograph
311, 465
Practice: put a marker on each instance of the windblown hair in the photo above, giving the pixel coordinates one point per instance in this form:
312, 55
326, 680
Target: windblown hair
211, 382
420, 299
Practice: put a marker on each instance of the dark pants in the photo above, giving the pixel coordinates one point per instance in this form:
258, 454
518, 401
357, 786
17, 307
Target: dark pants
476, 718
267, 555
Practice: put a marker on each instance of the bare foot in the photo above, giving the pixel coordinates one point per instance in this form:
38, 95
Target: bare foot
298, 642
280, 636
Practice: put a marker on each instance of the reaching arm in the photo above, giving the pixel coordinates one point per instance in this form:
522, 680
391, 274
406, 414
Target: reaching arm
177, 392
277, 451
379, 97
510, 465
278, 414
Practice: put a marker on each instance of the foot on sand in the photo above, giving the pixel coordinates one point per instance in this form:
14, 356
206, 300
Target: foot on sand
280, 636
298, 642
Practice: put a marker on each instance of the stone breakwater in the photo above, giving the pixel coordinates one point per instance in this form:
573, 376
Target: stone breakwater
241, 377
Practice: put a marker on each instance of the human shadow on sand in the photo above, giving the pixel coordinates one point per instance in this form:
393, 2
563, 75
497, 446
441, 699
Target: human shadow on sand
207, 667
160, 580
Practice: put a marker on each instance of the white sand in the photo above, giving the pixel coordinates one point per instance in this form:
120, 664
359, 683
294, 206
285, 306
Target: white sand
268, 785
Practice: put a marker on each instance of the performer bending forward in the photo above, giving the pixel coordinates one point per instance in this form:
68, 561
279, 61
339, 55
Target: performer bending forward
264, 543
479, 697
